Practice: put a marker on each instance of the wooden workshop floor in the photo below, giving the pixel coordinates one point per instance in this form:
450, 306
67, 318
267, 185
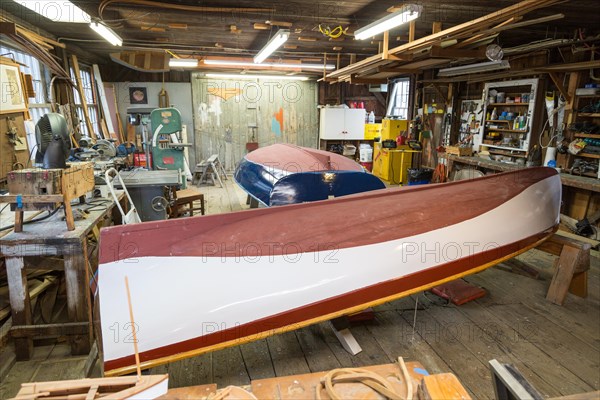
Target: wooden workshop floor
556, 348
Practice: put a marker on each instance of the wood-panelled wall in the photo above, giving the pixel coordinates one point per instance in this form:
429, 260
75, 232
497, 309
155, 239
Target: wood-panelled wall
228, 111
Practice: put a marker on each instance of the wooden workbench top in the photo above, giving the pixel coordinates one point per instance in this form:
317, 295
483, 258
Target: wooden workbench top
576, 181
53, 231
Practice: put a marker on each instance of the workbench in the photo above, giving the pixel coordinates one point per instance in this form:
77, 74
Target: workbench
575, 181
50, 237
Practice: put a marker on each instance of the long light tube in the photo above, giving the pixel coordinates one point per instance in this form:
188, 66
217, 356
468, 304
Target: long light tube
406, 14
474, 68
280, 38
247, 76
183, 62
108, 34
272, 64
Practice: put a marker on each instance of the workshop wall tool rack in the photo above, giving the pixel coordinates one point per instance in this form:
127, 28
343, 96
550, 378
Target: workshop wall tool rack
519, 100
34, 189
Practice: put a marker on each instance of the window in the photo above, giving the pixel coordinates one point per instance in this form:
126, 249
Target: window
40, 104
87, 81
398, 106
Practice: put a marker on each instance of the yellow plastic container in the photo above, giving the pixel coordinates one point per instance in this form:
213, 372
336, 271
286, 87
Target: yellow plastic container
372, 131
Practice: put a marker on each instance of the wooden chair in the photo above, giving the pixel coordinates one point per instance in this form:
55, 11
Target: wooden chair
184, 202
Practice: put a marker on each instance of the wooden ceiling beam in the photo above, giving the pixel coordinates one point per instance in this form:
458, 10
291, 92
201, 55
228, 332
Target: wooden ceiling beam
438, 52
356, 80
559, 85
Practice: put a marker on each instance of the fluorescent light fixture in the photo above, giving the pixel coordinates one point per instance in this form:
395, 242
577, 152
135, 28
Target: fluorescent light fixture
246, 76
280, 38
474, 68
108, 34
183, 62
406, 14
278, 65
57, 11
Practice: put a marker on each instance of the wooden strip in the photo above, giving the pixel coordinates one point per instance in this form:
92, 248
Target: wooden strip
559, 85
578, 66
470, 27
102, 99
86, 115
64, 329
44, 39
442, 386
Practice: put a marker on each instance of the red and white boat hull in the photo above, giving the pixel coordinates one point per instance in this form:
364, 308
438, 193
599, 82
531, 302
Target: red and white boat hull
196, 294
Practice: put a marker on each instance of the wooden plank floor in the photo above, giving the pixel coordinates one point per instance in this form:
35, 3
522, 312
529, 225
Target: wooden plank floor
556, 348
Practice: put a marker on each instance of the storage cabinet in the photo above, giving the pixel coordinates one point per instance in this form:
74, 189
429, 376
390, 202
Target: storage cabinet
391, 165
342, 124
585, 126
509, 117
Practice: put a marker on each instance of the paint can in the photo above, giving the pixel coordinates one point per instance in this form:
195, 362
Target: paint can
366, 153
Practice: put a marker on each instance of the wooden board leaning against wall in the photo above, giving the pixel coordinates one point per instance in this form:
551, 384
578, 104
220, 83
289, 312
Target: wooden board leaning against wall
14, 151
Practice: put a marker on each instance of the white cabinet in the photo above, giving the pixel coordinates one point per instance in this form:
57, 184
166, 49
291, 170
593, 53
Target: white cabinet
342, 123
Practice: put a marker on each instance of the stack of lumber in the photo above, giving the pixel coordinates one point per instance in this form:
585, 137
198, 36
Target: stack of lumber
402, 59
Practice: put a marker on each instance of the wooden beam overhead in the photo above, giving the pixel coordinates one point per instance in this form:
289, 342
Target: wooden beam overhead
261, 27
356, 80
578, 66
411, 30
438, 52
460, 31
559, 85
279, 23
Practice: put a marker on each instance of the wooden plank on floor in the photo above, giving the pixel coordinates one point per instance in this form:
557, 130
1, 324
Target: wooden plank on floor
287, 355
228, 367
188, 372
257, 359
580, 315
318, 355
447, 339
558, 380
484, 343
395, 336
566, 349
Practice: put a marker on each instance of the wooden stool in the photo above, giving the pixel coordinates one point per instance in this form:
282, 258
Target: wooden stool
570, 270
184, 201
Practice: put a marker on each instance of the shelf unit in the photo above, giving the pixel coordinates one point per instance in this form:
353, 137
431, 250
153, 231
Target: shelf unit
510, 142
579, 102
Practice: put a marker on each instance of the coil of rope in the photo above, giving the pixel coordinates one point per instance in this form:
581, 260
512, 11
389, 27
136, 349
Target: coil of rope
367, 378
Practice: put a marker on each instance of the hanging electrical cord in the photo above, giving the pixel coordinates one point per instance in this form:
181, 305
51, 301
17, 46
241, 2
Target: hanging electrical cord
182, 7
332, 33
50, 213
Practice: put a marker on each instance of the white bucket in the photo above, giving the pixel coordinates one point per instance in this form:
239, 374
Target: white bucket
366, 154
550, 155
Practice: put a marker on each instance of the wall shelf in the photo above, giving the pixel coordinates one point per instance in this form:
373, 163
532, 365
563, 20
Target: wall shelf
587, 135
508, 104
507, 130
588, 155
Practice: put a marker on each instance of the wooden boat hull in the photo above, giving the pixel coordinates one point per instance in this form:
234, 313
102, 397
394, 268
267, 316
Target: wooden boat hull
204, 283
286, 174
